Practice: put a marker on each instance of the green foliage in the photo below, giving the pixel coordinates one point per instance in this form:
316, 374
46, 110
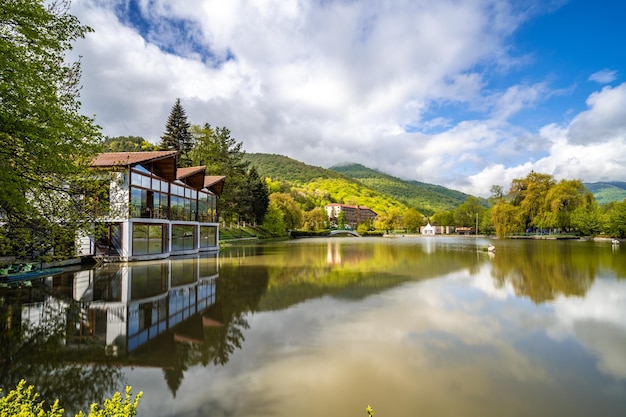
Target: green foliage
292, 213
24, 402
44, 140
274, 221
177, 135
355, 184
116, 406
127, 144
412, 220
426, 198
315, 219
539, 202
465, 214
616, 219
246, 195
608, 192
256, 197
282, 168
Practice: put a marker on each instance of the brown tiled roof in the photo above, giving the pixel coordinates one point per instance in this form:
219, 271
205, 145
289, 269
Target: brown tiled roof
193, 176
215, 183
182, 173
161, 163
111, 159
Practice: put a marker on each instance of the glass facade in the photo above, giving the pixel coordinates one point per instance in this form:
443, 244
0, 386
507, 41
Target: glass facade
208, 236
183, 237
154, 198
148, 239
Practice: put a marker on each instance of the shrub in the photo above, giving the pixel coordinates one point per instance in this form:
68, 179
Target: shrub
22, 402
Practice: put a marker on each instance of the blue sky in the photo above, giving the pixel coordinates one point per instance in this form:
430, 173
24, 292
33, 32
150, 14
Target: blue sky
462, 93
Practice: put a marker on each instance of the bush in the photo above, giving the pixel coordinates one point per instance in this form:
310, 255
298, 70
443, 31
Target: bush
22, 402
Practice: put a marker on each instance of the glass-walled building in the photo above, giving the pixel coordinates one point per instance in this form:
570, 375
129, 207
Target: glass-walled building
155, 209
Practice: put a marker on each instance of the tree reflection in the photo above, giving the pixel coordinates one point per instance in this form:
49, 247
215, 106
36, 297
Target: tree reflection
542, 271
223, 324
35, 349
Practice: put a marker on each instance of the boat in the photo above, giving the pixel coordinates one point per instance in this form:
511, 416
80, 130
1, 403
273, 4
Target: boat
491, 248
13, 274
615, 242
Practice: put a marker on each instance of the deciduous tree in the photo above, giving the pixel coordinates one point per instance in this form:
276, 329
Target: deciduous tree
412, 220
44, 139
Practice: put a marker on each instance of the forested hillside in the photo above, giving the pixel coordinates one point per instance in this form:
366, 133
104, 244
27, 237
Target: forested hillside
353, 184
315, 187
607, 192
426, 198
282, 168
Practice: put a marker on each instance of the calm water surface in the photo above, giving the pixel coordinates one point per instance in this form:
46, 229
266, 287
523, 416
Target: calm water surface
323, 327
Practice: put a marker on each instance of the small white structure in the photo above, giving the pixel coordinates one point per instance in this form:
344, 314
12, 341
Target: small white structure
428, 230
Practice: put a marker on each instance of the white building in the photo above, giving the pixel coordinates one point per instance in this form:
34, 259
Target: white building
155, 209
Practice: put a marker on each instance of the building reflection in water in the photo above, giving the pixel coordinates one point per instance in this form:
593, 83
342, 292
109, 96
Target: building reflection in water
122, 306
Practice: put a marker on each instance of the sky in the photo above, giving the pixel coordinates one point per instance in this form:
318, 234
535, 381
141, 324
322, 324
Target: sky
466, 94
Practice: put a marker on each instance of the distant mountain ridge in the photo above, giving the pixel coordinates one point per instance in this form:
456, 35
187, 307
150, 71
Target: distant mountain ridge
426, 198
607, 192
356, 184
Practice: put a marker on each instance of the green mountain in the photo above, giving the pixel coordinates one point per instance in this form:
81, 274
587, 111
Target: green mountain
426, 198
607, 192
283, 168
352, 184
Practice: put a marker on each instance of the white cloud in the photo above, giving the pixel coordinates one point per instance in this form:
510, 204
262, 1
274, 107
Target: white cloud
604, 121
604, 76
331, 82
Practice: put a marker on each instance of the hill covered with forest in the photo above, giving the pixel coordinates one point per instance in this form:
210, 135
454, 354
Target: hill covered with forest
607, 192
426, 198
352, 184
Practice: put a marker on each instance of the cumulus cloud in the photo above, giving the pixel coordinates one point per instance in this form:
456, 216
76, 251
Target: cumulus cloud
404, 87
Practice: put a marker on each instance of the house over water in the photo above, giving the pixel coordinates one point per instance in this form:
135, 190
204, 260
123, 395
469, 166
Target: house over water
155, 209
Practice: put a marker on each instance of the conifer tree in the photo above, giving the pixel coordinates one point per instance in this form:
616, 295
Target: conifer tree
177, 135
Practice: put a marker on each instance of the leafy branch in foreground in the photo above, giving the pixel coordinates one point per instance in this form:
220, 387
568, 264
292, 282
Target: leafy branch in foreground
23, 402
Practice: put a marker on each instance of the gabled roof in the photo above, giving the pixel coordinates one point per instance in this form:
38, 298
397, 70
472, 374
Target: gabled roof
215, 184
161, 163
193, 176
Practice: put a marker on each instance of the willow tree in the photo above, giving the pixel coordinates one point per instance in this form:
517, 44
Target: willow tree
529, 195
44, 140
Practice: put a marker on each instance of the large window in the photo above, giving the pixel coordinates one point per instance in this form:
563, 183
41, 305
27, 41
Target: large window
208, 236
184, 203
148, 197
110, 240
207, 207
147, 239
183, 237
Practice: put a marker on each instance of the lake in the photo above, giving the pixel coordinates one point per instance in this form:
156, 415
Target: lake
429, 326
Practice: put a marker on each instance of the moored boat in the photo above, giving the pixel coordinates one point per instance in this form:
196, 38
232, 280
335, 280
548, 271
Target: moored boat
25, 272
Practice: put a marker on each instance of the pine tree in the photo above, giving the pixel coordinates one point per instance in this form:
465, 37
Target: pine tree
177, 135
256, 196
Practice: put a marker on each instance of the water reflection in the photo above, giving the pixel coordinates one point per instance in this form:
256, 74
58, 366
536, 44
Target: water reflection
544, 270
163, 314
330, 325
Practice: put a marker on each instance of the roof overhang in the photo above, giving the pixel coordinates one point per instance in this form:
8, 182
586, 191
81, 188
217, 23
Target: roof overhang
215, 184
